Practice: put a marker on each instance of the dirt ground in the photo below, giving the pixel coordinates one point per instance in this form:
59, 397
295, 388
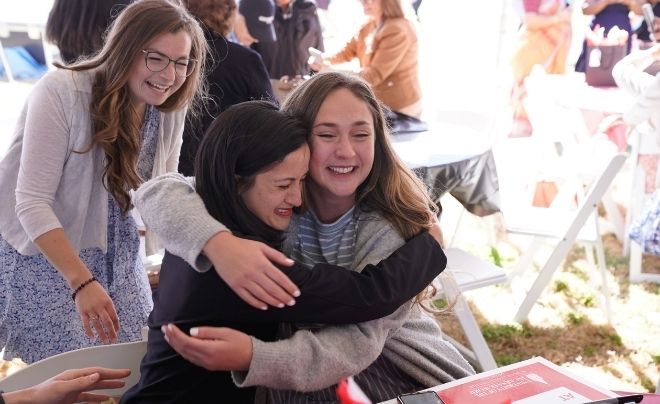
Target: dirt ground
567, 325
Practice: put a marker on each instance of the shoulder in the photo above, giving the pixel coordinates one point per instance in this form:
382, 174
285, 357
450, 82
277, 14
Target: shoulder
69, 89
376, 238
397, 25
308, 6
240, 51
66, 81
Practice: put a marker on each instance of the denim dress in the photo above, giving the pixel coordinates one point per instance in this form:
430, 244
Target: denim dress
38, 319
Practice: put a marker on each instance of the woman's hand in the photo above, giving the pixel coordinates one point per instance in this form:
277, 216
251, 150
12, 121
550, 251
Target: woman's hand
213, 348
71, 386
97, 312
248, 268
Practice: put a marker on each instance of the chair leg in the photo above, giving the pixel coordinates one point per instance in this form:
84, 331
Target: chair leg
600, 252
543, 279
525, 260
635, 262
614, 215
481, 354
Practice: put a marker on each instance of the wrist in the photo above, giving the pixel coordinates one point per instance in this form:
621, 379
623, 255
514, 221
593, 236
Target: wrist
82, 286
217, 240
17, 397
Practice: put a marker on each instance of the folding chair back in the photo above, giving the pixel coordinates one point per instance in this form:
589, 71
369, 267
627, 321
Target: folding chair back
567, 234
119, 356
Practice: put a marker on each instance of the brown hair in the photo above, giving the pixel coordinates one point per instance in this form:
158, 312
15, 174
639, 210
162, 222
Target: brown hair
116, 124
391, 188
392, 9
217, 15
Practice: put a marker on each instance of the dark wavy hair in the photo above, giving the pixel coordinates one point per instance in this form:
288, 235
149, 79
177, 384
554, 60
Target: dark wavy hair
243, 141
78, 27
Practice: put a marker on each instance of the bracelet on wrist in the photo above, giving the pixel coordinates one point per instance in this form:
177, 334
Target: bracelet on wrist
82, 285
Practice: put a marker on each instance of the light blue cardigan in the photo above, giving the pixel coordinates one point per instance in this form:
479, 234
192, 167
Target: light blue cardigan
55, 187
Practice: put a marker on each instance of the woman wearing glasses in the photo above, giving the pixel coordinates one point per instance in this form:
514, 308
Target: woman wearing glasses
70, 272
386, 46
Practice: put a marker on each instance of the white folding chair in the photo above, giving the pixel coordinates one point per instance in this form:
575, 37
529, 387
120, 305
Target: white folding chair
564, 227
467, 272
118, 356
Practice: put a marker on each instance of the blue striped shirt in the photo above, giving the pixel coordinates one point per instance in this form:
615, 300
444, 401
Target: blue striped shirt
333, 243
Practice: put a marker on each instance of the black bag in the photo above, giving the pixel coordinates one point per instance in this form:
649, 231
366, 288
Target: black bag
600, 61
402, 123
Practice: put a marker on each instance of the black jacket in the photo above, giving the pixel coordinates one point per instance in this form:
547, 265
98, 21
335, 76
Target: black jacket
297, 30
235, 74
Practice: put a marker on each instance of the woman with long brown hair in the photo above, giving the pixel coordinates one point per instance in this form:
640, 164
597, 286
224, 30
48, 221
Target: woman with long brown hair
89, 134
386, 47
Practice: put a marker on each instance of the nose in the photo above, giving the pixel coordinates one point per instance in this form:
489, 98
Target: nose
169, 72
345, 147
294, 196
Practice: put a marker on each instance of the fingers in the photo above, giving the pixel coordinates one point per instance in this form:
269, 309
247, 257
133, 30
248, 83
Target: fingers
187, 346
267, 291
113, 321
95, 322
86, 326
278, 276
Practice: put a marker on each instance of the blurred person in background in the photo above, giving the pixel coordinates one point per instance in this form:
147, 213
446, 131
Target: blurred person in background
77, 27
235, 74
298, 28
642, 32
254, 28
386, 46
607, 15
544, 39
631, 75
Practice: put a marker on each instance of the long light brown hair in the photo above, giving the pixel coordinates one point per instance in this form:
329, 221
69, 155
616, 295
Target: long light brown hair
392, 9
391, 188
116, 123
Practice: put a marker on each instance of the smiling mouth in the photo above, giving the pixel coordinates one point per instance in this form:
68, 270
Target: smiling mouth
283, 212
158, 87
342, 170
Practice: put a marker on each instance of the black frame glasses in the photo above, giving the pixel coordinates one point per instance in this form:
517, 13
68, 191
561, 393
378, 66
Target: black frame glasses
183, 67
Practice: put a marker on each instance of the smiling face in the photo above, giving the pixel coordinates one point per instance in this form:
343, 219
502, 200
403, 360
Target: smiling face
342, 145
154, 88
276, 191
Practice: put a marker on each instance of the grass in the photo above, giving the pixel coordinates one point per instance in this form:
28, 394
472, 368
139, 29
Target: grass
567, 325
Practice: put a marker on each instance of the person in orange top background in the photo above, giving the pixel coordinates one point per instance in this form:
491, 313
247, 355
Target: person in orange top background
544, 39
386, 46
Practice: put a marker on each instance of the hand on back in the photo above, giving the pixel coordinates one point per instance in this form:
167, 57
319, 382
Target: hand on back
248, 267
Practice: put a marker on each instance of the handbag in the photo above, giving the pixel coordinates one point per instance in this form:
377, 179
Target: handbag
600, 61
401, 123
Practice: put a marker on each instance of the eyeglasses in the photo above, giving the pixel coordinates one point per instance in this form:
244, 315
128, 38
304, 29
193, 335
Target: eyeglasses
157, 62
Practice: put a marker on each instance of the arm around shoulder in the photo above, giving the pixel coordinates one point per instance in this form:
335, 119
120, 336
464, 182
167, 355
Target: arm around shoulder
170, 207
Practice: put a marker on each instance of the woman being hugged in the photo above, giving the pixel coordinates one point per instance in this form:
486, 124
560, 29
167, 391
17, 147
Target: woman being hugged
88, 135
